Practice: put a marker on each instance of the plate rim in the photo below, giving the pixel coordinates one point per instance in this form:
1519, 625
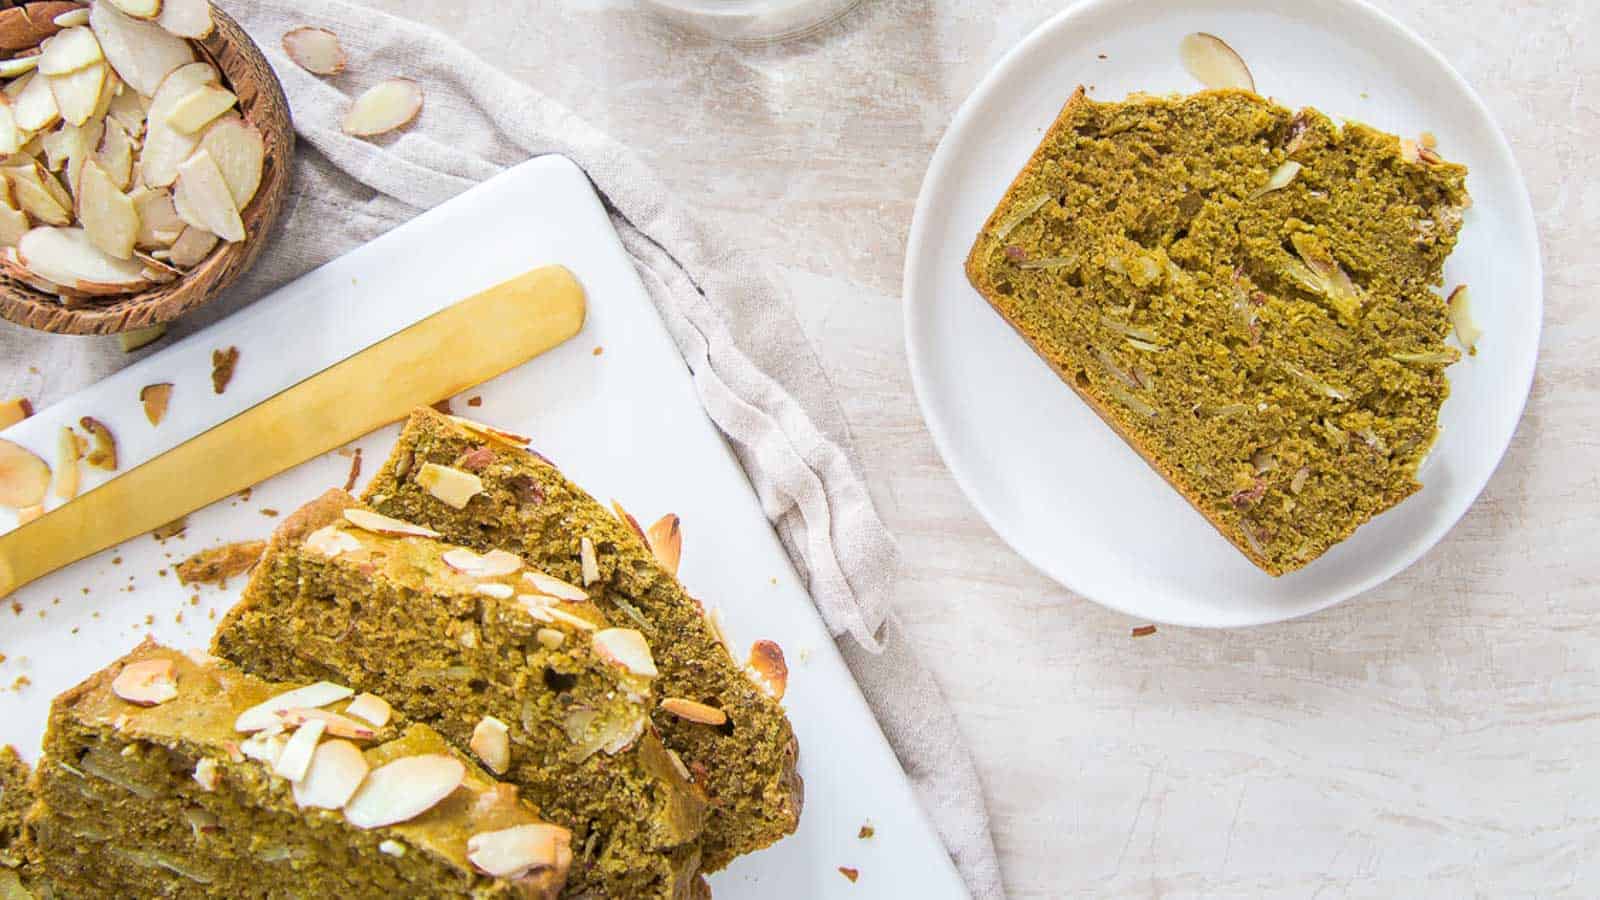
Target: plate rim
911, 286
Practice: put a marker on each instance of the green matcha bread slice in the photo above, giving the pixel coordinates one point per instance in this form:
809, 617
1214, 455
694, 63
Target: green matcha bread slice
498, 657
171, 775
1246, 294
481, 488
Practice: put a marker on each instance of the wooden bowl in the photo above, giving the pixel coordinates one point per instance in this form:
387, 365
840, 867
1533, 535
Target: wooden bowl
262, 104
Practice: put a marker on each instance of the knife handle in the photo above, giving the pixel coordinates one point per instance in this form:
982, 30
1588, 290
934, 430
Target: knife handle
462, 345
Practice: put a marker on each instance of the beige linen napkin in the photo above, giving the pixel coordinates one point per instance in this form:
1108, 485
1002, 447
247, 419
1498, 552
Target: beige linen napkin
755, 373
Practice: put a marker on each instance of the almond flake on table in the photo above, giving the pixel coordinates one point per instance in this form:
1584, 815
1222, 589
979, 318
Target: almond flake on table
317, 50
384, 107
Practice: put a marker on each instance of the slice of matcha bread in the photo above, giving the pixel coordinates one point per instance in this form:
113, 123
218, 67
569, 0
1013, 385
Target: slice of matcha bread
498, 657
1246, 294
171, 775
15, 799
481, 488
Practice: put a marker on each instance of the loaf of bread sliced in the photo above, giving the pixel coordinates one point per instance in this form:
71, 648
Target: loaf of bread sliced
1246, 294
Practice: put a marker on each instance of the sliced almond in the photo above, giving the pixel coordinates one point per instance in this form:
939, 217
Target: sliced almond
11, 137
14, 410
66, 256
665, 539
384, 107
18, 65
767, 668
494, 589
1467, 331
240, 153
78, 93
108, 215
72, 18
114, 153
489, 431
513, 852
295, 758
554, 587
142, 52
139, 9
204, 194
186, 18
200, 107
156, 215
493, 564
370, 707
452, 487
367, 520
627, 648
80, 151
155, 398
13, 225
103, 455
627, 519
34, 196
589, 562
491, 742
69, 449
694, 711
336, 724
148, 682
166, 148
332, 777
331, 540
1215, 64
206, 774
404, 789
555, 614
265, 715
68, 51
316, 50
35, 106
127, 109
549, 638
192, 247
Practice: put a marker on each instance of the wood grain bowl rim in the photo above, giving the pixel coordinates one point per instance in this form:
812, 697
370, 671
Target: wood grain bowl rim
263, 104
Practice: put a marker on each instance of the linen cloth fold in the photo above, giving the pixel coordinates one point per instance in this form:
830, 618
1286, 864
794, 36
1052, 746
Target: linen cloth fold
731, 318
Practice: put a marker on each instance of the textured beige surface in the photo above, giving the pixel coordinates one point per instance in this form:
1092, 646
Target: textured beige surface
1432, 737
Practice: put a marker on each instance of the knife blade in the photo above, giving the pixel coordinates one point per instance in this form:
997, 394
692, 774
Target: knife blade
478, 338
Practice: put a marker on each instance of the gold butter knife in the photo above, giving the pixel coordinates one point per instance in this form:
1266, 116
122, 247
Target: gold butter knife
460, 346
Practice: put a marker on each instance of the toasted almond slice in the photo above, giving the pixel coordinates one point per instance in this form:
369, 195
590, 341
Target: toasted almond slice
556, 614
200, 107
142, 52
549, 638
104, 453
155, 398
69, 449
156, 216
337, 725
264, 747
18, 65
202, 192
69, 50
493, 564
452, 487
264, 715
333, 776
665, 539
316, 50
156, 270
37, 193
13, 225
239, 152
80, 149
512, 852
554, 587
404, 789
78, 93
192, 247
139, 9
67, 256
114, 153
331, 540
489, 431
367, 520
72, 18
140, 338
148, 682
1467, 331
35, 106
186, 18
491, 742
205, 771
495, 589
589, 562
1215, 64
767, 668
127, 109
384, 107
165, 148
694, 711
12, 411
370, 707
11, 137
627, 519
295, 759
107, 213
625, 647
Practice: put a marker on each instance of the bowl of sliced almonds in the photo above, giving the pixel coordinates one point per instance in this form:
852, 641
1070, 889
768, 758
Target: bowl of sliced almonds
145, 152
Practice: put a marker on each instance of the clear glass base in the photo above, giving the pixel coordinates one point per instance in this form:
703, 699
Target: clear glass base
752, 21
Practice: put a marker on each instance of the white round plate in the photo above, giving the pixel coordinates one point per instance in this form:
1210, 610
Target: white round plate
1053, 480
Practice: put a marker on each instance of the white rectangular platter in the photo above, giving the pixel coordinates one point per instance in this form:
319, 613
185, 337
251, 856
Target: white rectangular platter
615, 407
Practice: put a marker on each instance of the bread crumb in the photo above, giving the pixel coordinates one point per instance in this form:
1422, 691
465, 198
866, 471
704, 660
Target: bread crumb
475, 401
269, 512
223, 362
850, 873
866, 831
219, 564
355, 472
443, 406
1143, 631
